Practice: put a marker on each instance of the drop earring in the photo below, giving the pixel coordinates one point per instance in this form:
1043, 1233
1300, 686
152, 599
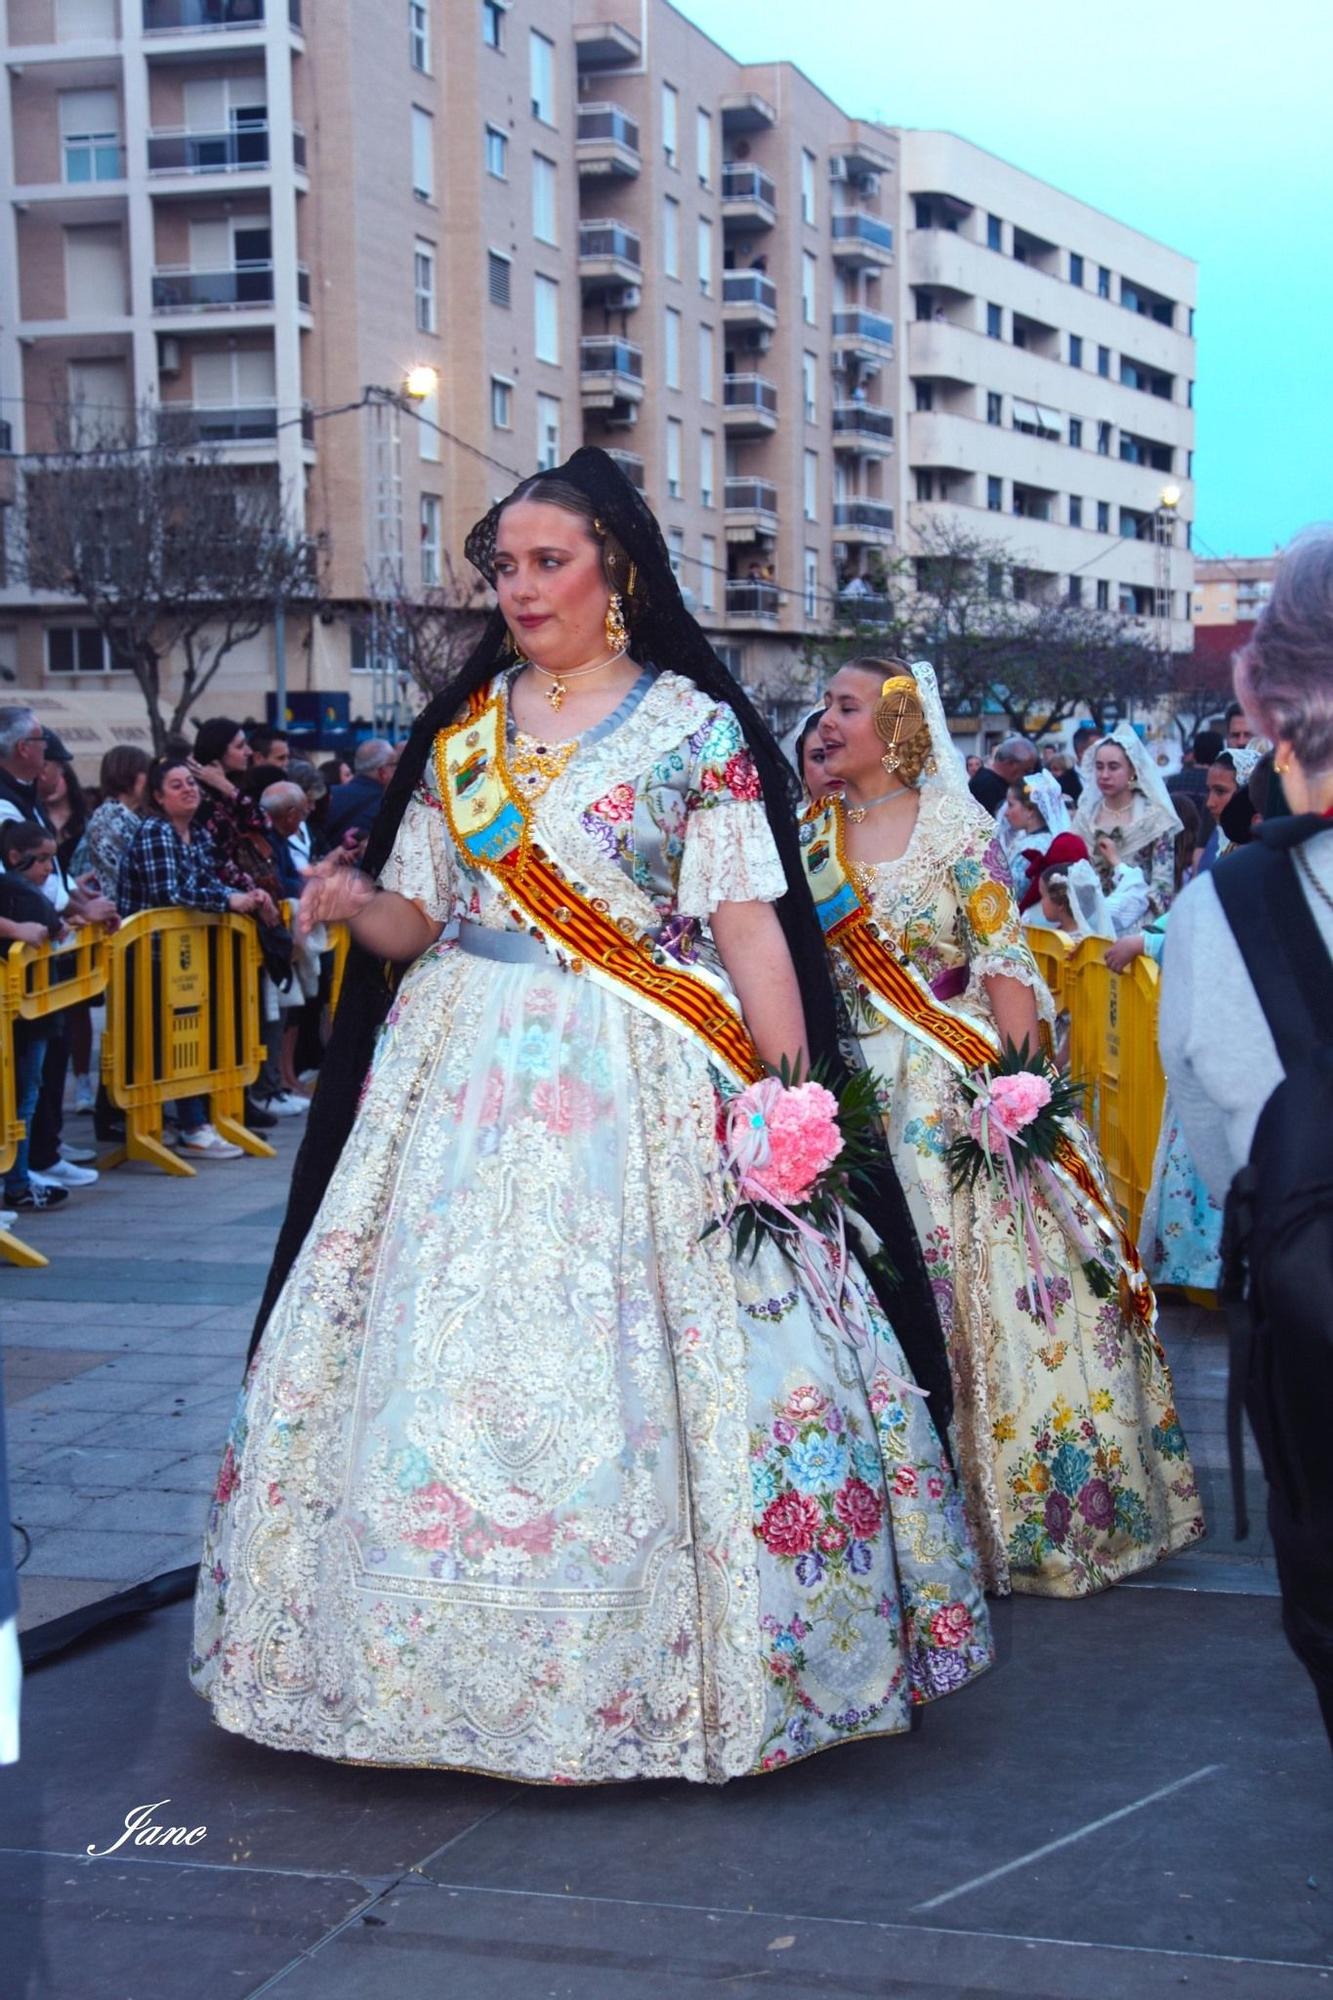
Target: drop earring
617, 632
891, 760
514, 651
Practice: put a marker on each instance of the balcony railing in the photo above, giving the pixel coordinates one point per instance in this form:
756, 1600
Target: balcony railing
240, 150
179, 289
94, 156
166, 17
749, 288
750, 496
610, 123
750, 598
857, 227
863, 514
858, 325
861, 419
598, 356
610, 240
233, 423
865, 607
749, 392
748, 184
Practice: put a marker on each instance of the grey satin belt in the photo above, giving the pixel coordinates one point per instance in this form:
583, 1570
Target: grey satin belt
510, 947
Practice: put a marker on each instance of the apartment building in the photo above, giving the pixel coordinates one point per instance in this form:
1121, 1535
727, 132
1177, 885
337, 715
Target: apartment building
592, 225
1232, 590
1049, 377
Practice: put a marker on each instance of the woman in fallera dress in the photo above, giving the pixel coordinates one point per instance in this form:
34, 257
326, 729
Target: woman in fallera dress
530, 1474
1072, 1458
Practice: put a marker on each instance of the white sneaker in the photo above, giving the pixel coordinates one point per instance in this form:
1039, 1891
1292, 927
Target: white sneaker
64, 1174
85, 1097
284, 1105
206, 1144
8, 1215
82, 1156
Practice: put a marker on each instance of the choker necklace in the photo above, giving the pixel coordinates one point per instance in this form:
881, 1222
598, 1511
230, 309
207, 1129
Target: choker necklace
858, 813
558, 689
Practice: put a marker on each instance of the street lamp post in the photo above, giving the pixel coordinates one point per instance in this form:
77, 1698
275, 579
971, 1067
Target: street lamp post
1164, 535
384, 457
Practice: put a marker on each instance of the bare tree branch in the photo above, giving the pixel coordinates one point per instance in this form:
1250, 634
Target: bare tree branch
177, 556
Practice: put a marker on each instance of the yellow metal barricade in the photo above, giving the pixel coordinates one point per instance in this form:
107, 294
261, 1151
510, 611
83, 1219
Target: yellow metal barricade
11, 1129
182, 1020
44, 979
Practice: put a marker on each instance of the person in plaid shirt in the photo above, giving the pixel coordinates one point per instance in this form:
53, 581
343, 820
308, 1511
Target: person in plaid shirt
170, 864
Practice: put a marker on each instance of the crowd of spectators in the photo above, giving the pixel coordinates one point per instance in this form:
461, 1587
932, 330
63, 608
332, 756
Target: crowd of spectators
230, 821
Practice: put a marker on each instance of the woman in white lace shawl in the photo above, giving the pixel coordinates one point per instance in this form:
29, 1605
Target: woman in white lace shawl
1127, 818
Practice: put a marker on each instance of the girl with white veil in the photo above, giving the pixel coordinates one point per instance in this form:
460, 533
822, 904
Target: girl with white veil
1127, 817
1035, 814
1074, 1468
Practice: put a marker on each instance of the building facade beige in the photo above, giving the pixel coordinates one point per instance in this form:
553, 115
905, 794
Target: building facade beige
1049, 375
591, 224
1232, 590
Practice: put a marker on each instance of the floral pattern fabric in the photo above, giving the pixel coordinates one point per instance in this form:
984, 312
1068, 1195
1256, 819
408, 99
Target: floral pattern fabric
1074, 1466
530, 1474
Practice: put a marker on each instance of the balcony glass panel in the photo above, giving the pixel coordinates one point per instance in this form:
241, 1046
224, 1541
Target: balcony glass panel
751, 598
749, 288
204, 291
609, 239
862, 417
857, 325
748, 184
209, 152
608, 121
610, 357
188, 16
858, 228
191, 423
862, 514
751, 496
749, 392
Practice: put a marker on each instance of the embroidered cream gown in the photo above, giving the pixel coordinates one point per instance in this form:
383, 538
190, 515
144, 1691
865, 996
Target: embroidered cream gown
1073, 1461
526, 1476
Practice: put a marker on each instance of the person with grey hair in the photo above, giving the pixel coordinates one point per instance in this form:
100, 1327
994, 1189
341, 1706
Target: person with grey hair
1246, 1032
1011, 759
353, 807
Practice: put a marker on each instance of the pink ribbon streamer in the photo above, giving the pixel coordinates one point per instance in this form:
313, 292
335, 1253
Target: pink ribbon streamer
745, 1149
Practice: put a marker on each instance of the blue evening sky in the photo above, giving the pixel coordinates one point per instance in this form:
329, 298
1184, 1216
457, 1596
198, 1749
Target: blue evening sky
1203, 122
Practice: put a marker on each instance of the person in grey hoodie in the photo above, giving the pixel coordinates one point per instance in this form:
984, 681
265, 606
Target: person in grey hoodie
1220, 1059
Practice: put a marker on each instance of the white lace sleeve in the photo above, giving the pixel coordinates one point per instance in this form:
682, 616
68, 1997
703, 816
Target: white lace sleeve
1128, 899
730, 857
421, 866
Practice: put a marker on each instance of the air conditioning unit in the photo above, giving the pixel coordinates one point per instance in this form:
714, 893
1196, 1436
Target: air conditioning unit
758, 340
868, 183
168, 355
622, 416
837, 168
842, 551
624, 299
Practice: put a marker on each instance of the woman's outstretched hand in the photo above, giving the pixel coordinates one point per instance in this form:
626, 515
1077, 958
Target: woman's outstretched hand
333, 894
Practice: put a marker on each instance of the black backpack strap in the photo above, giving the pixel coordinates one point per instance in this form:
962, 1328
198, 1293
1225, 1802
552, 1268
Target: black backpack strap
1280, 943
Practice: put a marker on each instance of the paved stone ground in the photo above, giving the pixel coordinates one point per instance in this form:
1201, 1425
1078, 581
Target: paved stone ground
1134, 1802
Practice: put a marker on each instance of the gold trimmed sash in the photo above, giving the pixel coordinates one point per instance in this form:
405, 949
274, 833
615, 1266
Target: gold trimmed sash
894, 987
491, 824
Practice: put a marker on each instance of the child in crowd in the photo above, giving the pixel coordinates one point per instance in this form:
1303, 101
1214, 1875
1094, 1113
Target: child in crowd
27, 917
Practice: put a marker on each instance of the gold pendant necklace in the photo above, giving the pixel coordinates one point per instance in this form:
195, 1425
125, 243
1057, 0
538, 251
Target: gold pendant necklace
858, 813
555, 694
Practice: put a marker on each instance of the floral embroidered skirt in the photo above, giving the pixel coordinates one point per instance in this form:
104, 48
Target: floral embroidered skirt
1073, 1461
527, 1478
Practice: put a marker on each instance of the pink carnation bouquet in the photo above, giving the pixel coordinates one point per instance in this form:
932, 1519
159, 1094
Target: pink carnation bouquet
794, 1152
1020, 1106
